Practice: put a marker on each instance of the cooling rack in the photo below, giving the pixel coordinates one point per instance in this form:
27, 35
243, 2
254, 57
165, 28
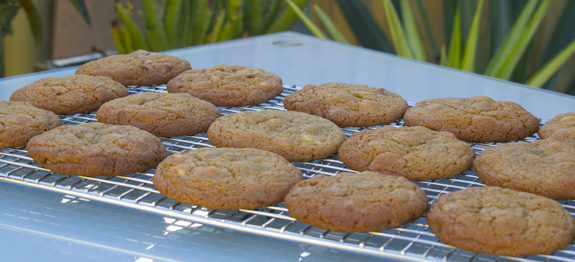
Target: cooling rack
413, 241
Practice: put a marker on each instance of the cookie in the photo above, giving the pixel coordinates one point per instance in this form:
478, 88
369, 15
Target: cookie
20, 121
162, 114
139, 68
96, 149
226, 178
70, 94
228, 85
416, 153
294, 135
476, 119
356, 202
565, 120
544, 167
347, 104
499, 221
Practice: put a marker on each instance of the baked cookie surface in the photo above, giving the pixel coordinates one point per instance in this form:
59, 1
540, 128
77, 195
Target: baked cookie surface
476, 119
561, 121
20, 121
139, 68
416, 153
228, 85
96, 149
162, 114
544, 167
348, 104
294, 135
501, 221
70, 94
356, 202
226, 178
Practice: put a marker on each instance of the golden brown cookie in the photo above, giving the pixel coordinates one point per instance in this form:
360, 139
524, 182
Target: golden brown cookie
501, 221
139, 68
162, 114
70, 94
96, 149
228, 85
544, 167
348, 104
476, 119
226, 178
416, 153
356, 202
294, 135
20, 121
565, 120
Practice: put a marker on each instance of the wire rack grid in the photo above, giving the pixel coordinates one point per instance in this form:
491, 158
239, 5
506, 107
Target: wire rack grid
413, 241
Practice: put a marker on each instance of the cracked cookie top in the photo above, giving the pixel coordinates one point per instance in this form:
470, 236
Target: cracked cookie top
294, 135
476, 119
139, 68
70, 94
560, 121
416, 153
96, 149
228, 85
356, 202
20, 121
162, 114
226, 178
348, 104
500, 221
544, 167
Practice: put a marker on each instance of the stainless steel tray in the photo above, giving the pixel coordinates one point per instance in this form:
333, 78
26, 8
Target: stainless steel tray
413, 241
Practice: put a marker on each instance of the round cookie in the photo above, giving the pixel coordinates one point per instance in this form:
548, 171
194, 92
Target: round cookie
356, 202
501, 221
416, 153
96, 149
294, 135
228, 85
348, 104
226, 178
544, 167
70, 94
560, 121
476, 119
20, 121
162, 114
139, 68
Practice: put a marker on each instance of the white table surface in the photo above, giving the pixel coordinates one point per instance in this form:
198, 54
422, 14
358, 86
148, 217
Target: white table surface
38, 225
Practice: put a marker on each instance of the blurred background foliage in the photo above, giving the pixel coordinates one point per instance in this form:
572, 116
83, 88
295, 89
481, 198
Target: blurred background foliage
540, 31
181, 23
499, 38
10, 8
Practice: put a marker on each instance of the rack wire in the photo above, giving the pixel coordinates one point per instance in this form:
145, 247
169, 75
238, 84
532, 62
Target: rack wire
413, 241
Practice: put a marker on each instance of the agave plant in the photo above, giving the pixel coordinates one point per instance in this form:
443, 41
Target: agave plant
510, 54
10, 8
181, 23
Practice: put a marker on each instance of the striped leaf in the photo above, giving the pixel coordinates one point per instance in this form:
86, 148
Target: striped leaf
397, 33
549, 69
455, 42
413, 37
518, 50
310, 25
495, 64
468, 63
366, 29
331, 28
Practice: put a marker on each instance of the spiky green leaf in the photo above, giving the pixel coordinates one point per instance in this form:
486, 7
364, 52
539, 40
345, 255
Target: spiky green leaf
468, 63
328, 23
